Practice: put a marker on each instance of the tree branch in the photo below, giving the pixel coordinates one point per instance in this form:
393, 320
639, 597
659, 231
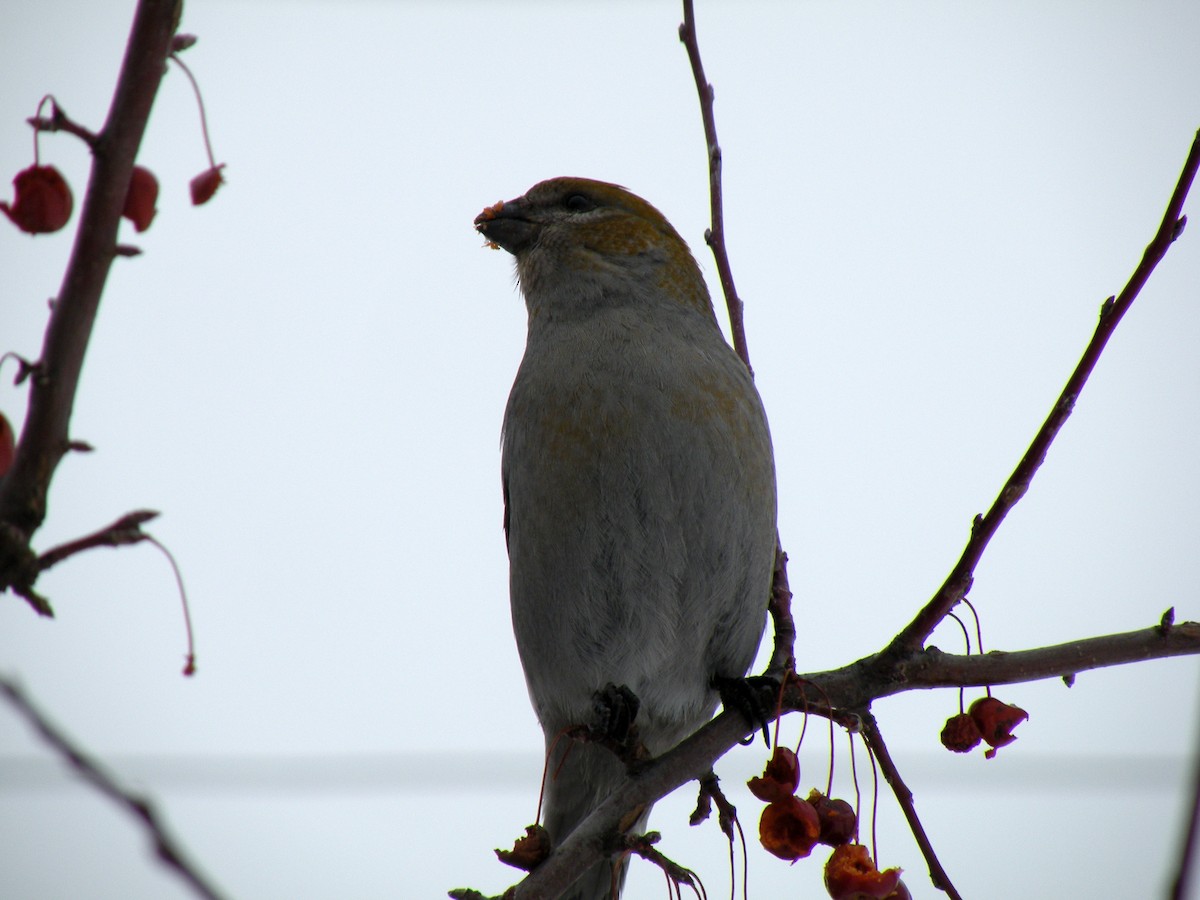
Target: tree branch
60, 121
847, 691
165, 846
958, 583
45, 437
875, 743
882, 675
780, 603
126, 530
715, 235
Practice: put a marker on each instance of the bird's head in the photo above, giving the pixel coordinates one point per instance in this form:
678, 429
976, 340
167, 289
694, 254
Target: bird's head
581, 244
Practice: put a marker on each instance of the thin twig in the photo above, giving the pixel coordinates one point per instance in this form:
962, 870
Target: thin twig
126, 530
123, 532
24, 367
780, 602
715, 235
58, 120
984, 528
875, 744
783, 659
165, 846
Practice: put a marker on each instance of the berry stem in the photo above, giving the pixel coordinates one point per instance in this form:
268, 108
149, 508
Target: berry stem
189, 668
212, 162
854, 778
37, 131
978, 626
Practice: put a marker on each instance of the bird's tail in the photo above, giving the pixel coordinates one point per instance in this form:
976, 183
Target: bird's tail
574, 788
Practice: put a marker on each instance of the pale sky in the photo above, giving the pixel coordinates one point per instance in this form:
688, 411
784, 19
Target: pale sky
926, 205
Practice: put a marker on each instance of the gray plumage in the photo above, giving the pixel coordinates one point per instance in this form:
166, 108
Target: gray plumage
638, 482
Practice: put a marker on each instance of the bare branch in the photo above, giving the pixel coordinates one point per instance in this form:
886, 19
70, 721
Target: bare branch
783, 625
165, 846
780, 604
715, 235
58, 120
882, 675
958, 583
875, 743
45, 436
126, 530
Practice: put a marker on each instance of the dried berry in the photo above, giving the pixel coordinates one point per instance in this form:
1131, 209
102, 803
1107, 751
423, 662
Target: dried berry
996, 720
789, 828
850, 874
527, 851
838, 821
961, 734
779, 779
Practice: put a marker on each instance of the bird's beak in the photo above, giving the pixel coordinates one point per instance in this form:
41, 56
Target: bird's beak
507, 225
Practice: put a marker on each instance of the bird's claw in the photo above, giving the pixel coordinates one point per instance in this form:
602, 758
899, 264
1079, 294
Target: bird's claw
756, 697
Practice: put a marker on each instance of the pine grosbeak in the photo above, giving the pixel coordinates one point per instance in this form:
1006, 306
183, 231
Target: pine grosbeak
638, 479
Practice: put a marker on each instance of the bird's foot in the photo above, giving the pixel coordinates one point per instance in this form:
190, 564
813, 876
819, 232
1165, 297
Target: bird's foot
614, 709
756, 697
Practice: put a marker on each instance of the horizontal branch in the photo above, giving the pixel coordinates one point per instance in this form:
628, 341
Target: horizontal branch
126, 530
850, 692
875, 677
936, 669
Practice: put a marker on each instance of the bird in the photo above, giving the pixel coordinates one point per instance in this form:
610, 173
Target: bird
638, 481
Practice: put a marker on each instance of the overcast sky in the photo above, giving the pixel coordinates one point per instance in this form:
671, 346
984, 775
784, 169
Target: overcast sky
926, 205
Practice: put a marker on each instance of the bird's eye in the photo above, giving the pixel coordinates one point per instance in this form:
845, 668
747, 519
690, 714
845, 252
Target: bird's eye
578, 203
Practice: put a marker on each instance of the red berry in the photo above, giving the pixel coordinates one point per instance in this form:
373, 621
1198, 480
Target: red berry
204, 185
996, 720
789, 828
140, 198
838, 821
779, 779
43, 201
